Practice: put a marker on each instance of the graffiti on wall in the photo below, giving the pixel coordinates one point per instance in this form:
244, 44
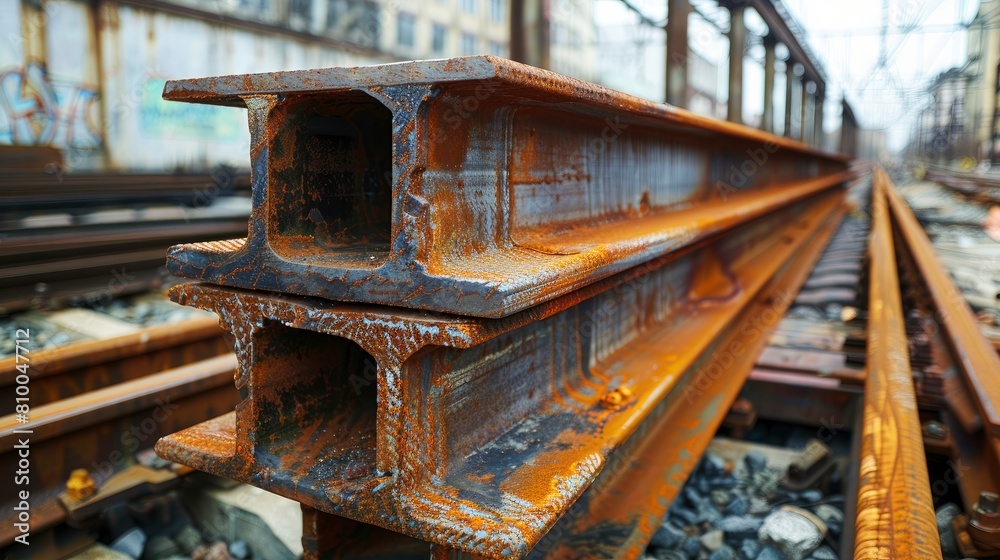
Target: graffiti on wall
171, 119
38, 111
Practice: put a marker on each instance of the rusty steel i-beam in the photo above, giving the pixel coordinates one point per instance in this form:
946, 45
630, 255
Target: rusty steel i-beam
478, 186
469, 329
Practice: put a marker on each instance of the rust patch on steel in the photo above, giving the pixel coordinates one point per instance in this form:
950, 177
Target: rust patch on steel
895, 512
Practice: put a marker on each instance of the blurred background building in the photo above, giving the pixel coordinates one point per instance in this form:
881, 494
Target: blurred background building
983, 84
961, 118
86, 77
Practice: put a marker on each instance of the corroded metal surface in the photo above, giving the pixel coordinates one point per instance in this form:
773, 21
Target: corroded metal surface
619, 513
478, 186
477, 434
975, 356
102, 430
86, 366
895, 512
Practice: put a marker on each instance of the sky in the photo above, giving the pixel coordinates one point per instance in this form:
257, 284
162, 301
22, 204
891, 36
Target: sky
924, 38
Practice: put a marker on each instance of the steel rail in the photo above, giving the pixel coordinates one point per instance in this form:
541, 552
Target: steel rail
76, 432
91, 286
974, 355
895, 512
478, 433
72, 240
68, 415
478, 186
76, 262
86, 366
981, 189
20, 191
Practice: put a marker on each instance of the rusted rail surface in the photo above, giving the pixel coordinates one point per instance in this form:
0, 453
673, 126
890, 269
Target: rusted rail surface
102, 429
978, 188
895, 512
86, 366
20, 189
475, 434
478, 186
975, 356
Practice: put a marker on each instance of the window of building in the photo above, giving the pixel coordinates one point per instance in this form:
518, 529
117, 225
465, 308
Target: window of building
497, 49
469, 6
468, 44
497, 10
404, 29
439, 34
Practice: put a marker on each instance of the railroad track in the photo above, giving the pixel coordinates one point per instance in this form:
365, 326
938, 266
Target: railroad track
451, 397
965, 237
96, 236
20, 189
983, 189
68, 261
95, 404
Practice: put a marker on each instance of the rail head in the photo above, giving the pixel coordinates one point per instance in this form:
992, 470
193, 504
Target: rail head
895, 512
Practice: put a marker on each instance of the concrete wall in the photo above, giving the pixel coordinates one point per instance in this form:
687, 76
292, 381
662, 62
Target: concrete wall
88, 78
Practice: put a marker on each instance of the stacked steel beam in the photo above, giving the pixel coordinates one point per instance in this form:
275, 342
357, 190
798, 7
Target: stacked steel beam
484, 310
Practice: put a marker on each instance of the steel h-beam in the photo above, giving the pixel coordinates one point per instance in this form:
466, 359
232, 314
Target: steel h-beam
994, 155
848, 130
819, 101
777, 25
394, 184
804, 111
529, 32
